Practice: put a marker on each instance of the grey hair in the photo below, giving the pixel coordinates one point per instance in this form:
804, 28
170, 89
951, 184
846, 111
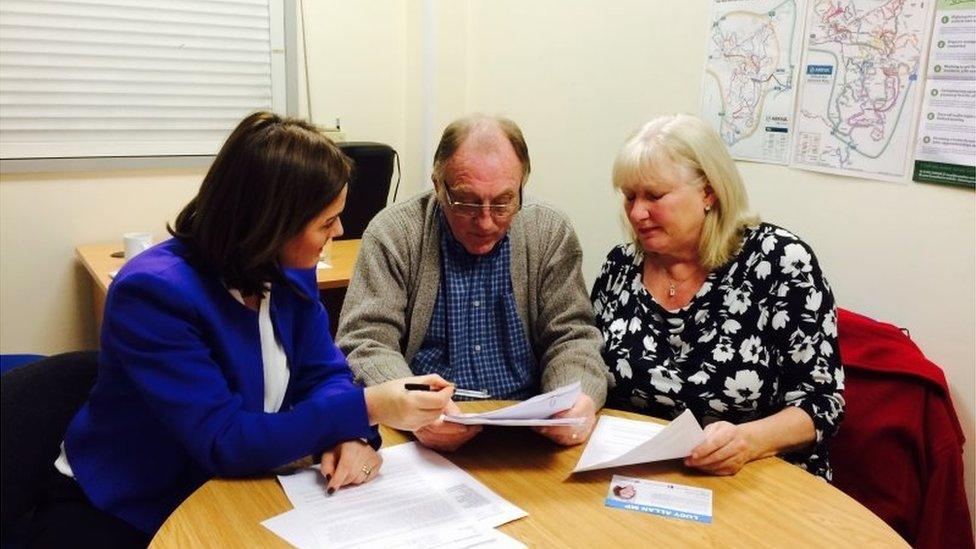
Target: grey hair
475, 126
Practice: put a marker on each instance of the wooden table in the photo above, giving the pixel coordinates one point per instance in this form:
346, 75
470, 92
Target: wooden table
98, 261
769, 503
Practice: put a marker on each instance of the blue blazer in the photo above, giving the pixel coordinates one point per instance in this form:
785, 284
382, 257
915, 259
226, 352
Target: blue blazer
179, 397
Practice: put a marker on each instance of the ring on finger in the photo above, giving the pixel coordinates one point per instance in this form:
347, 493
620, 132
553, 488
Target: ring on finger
366, 469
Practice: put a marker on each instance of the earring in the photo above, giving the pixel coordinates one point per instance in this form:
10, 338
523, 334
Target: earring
708, 208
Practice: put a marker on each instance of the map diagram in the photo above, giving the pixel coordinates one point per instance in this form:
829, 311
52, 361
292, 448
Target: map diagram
749, 85
860, 85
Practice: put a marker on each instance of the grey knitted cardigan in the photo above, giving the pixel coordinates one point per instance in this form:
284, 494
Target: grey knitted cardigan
391, 296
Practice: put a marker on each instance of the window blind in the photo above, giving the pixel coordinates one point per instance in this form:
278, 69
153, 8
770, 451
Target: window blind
90, 78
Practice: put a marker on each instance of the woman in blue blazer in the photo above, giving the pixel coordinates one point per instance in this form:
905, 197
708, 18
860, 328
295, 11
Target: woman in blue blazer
216, 358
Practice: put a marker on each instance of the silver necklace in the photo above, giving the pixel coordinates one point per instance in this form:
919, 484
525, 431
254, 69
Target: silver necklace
672, 285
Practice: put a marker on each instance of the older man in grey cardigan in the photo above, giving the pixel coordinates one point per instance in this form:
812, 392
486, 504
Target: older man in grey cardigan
469, 282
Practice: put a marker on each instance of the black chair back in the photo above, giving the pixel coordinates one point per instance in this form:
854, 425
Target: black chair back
369, 187
39, 400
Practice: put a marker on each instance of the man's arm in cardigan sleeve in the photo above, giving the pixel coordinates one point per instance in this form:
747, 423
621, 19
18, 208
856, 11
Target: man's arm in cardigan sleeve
373, 322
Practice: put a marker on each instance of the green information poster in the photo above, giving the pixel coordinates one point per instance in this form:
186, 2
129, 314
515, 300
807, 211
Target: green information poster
946, 148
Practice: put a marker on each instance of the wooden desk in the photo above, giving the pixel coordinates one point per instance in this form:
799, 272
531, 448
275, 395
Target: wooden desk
770, 503
98, 261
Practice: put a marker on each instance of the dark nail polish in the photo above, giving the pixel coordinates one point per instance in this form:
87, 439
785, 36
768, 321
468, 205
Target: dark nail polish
328, 478
331, 491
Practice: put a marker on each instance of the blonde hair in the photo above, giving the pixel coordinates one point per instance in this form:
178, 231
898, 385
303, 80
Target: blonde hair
687, 141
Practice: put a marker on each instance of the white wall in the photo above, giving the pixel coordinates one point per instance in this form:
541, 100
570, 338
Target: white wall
45, 295
357, 55
578, 76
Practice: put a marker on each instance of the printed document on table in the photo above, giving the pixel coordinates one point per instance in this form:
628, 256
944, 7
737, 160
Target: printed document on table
534, 411
418, 496
477, 500
291, 527
616, 442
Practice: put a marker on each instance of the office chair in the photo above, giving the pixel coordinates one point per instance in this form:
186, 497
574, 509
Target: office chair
39, 400
367, 195
9, 362
369, 187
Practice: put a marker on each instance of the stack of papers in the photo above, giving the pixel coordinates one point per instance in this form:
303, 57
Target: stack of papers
418, 499
616, 442
534, 411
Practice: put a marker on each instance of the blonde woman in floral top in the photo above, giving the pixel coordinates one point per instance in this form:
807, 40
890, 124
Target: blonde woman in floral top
709, 310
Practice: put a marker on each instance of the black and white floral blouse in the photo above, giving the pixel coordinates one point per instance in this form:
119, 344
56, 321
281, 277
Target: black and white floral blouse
759, 335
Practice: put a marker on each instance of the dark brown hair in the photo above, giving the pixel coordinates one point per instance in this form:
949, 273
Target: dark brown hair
272, 176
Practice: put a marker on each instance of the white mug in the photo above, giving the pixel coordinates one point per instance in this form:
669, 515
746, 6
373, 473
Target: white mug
136, 243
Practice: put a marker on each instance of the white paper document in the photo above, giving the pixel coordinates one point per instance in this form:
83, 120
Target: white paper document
291, 527
477, 500
557, 422
419, 498
534, 411
616, 442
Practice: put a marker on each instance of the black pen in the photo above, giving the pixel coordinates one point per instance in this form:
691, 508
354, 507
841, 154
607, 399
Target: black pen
467, 393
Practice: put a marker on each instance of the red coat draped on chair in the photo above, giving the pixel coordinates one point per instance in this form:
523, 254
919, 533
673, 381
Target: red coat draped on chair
899, 449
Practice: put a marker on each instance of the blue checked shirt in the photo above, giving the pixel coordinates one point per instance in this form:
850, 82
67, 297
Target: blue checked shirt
475, 337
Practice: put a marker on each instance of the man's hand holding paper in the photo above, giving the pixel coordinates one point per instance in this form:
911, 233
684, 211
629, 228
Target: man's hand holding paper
540, 410
444, 435
572, 434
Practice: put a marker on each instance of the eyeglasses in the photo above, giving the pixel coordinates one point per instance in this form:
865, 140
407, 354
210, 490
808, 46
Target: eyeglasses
497, 210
